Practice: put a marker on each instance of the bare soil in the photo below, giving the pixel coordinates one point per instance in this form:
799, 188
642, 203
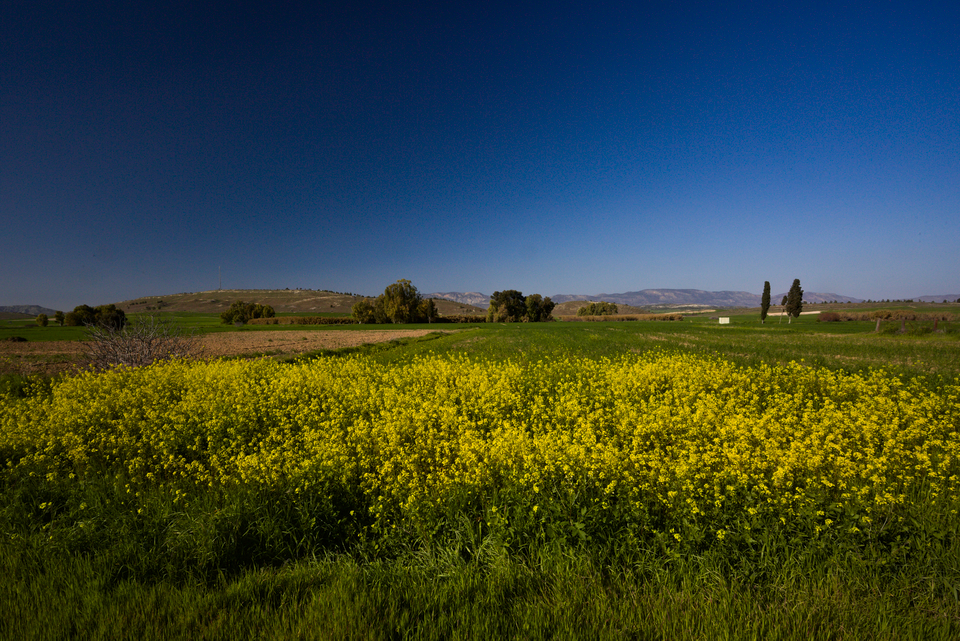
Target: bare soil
53, 357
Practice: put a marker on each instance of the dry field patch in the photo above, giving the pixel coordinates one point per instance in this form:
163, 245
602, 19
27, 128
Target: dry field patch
52, 357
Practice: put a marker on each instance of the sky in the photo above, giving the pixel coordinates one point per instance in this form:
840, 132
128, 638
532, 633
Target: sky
552, 148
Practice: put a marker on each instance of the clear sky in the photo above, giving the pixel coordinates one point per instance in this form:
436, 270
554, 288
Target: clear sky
555, 148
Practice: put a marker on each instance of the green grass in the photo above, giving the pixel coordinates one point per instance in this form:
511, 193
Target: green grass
113, 575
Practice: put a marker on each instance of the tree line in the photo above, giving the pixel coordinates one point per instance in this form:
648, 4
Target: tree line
402, 303
792, 303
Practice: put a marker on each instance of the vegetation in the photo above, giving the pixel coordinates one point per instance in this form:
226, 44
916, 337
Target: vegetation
598, 309
241, 312
399, 303
42, 320
108, 316
510, 306
794, 300
143, 342
765, 301
539, 480
59, 318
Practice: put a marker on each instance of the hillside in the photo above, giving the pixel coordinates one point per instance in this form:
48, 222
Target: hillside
299, 301
26, 310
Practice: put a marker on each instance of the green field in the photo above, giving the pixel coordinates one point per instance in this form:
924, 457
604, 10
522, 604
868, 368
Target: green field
558, 480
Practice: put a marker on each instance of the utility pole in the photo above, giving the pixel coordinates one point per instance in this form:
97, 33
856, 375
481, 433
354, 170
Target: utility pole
220, 274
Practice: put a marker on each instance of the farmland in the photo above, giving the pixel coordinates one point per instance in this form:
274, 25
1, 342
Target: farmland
620, 479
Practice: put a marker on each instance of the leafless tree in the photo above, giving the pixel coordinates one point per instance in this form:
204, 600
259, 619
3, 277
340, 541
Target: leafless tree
139, 343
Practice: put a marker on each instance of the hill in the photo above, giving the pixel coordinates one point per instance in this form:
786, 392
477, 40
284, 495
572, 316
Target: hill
28, 310
298, 301
475, 299
693, 298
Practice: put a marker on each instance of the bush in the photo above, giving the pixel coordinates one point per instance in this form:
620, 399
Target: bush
141, 343
241, 312
828, 317
598, 309
42, 320
104, 315
510, 306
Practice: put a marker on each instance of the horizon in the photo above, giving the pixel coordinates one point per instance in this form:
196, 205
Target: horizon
949, 298
568, 148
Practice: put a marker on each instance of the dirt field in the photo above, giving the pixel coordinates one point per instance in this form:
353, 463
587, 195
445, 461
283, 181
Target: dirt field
58, 356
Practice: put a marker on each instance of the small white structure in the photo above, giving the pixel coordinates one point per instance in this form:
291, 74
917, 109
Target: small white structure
724, 320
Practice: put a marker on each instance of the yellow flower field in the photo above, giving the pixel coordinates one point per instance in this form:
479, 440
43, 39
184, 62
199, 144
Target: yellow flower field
693, 447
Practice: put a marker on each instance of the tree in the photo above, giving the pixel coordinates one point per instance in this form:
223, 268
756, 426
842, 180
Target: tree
428, 310
598, 309
42, 320
241, 312
508, 306
105, 315
363, 312
794, 303
401, 302
80, 316
765, 301
59, 318
109, 316
539, 309
783, 306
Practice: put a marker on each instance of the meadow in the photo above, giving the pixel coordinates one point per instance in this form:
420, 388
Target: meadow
561, 480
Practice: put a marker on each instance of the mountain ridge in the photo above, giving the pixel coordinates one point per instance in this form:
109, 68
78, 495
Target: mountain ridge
659, 297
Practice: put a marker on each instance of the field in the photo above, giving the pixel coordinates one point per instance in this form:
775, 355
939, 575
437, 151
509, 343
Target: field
562, 480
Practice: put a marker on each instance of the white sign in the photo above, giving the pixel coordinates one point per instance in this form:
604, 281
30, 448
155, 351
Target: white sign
724, 320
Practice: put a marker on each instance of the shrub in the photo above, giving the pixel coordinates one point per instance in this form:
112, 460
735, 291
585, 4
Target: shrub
241, 312
510, 306
141, 343
42, 320
829, 317
598, 309
105, 315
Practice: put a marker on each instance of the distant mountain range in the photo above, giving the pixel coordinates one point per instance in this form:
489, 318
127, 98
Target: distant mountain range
33, 310
467, 298
661, 298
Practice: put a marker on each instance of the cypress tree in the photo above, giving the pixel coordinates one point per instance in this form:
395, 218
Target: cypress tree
794, 300
765, 301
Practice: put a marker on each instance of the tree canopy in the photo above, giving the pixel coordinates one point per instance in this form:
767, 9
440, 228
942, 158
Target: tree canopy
241, 312
598, 309
108, 316
765, 301
510, 306
794, 304
399, 303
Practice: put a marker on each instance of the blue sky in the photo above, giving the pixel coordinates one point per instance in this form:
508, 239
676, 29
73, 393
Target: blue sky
551, 148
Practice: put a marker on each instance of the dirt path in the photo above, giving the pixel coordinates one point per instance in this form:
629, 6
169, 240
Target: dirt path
51, 357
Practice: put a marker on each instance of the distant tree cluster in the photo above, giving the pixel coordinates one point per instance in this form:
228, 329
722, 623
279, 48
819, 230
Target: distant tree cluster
399, 303
107, 316
598, 309
510, 306
241, 312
